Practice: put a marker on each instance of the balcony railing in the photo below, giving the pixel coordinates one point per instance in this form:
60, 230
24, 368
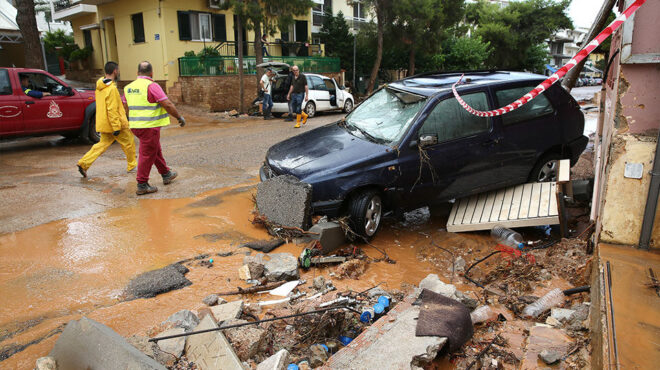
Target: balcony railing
219, 66
64, 4
276, 48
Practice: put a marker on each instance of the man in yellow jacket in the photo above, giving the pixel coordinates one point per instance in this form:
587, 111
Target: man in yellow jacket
111, 122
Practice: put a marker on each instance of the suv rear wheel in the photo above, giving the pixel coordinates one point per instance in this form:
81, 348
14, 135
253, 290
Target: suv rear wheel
365, 211
348, 106
310, 109
546, 168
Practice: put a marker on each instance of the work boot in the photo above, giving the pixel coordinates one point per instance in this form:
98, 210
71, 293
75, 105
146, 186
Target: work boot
304, 117
168, 177
267, 114
82, 171
288, 119
145, 188
297, 121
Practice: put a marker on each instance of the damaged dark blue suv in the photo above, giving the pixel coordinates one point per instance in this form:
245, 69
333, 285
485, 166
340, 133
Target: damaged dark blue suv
411, 144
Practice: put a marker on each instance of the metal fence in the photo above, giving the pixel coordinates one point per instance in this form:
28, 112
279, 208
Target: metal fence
219, 66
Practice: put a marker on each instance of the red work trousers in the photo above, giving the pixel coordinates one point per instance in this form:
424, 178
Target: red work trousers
150, 153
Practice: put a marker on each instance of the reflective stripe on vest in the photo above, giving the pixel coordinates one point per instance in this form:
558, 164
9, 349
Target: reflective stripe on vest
142, 113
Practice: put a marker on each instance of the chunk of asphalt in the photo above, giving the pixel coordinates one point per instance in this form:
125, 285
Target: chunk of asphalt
263, 245
152, 283
87, 344
285, 200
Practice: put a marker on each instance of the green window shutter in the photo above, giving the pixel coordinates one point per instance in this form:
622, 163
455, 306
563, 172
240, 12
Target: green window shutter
219, 28
184, 25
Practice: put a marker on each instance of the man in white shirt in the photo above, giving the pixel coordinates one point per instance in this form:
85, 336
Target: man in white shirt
266, 86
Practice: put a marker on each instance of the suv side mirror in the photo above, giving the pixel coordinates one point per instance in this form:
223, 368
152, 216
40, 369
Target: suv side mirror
68, 90
428, 140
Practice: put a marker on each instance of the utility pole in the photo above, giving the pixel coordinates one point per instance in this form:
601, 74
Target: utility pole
354, 85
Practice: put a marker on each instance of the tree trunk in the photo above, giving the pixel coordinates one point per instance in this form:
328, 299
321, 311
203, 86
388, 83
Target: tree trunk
241, 88
596, 28
379, 50
411, 60
258, 52
27, 22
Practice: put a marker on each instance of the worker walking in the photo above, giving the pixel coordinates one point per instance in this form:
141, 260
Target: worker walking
111, 122
297, 91
148, 109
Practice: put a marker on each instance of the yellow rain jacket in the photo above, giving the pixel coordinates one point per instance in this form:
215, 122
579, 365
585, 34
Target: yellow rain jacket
110, 113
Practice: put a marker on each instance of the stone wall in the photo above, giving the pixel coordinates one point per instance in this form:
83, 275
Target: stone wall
219, 93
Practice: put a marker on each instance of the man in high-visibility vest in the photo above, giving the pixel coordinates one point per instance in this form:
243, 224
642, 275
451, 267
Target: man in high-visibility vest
148, 109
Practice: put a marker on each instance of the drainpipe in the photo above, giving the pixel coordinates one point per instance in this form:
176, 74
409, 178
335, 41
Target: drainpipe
651, 200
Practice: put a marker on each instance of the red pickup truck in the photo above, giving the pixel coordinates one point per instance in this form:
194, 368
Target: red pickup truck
52, 107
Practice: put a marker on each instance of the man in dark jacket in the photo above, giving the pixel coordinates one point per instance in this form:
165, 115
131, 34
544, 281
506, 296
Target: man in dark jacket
287, 85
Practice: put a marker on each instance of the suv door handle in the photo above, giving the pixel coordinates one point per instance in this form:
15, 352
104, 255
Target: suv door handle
28, 102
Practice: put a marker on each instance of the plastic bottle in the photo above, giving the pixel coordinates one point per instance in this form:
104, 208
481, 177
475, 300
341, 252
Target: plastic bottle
385, 301
482, 314
507, 237
554, 298
292, 367
379, 311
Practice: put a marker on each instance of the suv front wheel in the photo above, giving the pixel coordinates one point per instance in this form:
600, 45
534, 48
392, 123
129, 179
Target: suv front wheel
546, 168
366, 212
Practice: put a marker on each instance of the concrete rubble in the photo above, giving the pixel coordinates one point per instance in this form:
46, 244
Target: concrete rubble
152, 283
278, 361
185, 319
86, 343
329, 234
227, 311
211, 300
174, 346
211, 350
281, 266
247, 341
46, 363
285, 201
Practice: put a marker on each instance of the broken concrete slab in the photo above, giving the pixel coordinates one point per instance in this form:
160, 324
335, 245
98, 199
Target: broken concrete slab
46, 363
278, 361
549, 356
561, 314
286, 201
86, 343
542, 337
329, 234
433, 283
318, 283
173, 346
281, 266
247, 341
211, 300
185, 319
152, 283
211, 350
151, 349
244, 272
392, 336
227, 311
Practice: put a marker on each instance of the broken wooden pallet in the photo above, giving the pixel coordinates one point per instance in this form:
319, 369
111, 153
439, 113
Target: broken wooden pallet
531, 204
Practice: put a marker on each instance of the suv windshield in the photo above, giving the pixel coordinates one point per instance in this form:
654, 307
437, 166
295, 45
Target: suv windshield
386, 115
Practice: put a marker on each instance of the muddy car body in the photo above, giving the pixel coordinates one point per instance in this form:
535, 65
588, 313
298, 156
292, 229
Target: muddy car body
411, 144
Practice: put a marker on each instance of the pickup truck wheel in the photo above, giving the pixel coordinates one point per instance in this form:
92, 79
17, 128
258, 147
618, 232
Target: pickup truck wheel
348, 106
310, 109
365, 211
93, 136
546, 168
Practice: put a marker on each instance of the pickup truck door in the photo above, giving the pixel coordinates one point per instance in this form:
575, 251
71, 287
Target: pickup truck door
59, 111
11, 114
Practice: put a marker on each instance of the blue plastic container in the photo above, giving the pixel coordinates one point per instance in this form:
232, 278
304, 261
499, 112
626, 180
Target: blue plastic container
292, 367
379, 309
385, 301
367, 315
345, 340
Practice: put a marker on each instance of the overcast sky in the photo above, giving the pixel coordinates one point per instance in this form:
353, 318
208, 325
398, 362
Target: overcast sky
583, 12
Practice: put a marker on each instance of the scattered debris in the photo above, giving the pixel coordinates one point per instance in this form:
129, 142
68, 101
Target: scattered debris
185, 319
207, 350
152, 283
330, 236
433, 283
246, 340
319, 283
254, 289
173, 346
281, 266
318, 355
351, 269
286, 288
444, 317
265, 246
211, 300
46, 363
244, 273
227, 311
277, 361
549, 356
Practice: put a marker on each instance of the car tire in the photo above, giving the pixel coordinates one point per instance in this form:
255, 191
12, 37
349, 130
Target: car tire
93, 136
545, 168
348, 106
310, 109
365, 213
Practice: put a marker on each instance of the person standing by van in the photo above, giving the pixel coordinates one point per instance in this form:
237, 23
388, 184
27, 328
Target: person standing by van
266, 85
298, 94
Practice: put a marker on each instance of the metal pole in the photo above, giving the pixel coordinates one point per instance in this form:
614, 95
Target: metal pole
354, 85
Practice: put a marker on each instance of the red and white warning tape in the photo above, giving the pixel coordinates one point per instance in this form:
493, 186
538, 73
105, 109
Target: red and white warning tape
557, 75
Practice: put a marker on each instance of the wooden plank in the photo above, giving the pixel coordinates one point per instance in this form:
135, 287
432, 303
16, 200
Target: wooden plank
452, 214
564, 171
488, 206
469, 210
525, 201
546, 194
479, 209
515, 203
537, 221
535, 201
462, 203
497, 205
553, 201
506, 204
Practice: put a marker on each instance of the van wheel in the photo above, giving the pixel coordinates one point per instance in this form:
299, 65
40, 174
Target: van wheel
365, 212
310, 109
93, 136
348, 106
546, 168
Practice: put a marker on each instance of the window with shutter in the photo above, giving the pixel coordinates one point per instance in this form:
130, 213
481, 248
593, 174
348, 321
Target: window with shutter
138, 28
184, 25
219, 28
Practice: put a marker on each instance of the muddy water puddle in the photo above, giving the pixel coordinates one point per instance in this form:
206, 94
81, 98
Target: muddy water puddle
59, 271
